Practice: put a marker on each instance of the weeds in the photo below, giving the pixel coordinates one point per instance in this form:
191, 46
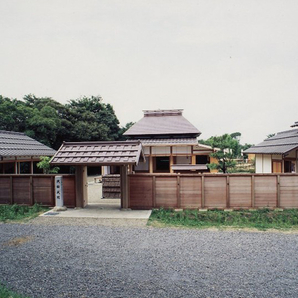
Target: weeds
261, 219
17, 212
6, 293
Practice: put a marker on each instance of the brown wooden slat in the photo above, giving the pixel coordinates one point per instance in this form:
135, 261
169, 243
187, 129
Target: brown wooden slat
265, 191
42, 190
21, 190
240, 191
69, 191
215, 191
288, 191
140, 192
5, 191
166, 192
191, 192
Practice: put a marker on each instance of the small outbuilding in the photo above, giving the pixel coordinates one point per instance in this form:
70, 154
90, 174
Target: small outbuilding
278, 154
19, 153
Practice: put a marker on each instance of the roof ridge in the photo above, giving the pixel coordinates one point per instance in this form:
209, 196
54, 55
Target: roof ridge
12, 132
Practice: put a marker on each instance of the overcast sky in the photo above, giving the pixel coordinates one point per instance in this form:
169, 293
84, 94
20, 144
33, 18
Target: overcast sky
231, 65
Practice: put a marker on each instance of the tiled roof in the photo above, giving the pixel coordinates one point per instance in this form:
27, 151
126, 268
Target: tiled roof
162, 122
174, 141
98, 153
18, 144
189, 167
282, 143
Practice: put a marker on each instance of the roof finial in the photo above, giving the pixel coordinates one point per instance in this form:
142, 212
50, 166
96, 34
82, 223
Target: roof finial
295, 124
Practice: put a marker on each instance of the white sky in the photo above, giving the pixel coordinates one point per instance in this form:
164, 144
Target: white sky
231, 65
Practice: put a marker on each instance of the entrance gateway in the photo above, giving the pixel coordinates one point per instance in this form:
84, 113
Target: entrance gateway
82, 154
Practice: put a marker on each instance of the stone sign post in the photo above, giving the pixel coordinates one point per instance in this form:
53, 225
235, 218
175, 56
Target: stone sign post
59, 194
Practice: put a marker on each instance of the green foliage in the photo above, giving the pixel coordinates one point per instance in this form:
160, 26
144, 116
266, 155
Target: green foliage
227, 149
6, 293
51, 123
17, 212
261, 219
44, 164
123, 129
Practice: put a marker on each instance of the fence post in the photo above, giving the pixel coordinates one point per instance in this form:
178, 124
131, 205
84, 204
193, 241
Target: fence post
203, 191
178, 192
252, 191
278, 191
228, 192
154, 191
11, 191
31, 190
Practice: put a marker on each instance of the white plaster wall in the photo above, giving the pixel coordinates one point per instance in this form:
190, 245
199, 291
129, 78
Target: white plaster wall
146, 150
267, 163
142, 166
161, 150
181, 150
182, 160
259, 163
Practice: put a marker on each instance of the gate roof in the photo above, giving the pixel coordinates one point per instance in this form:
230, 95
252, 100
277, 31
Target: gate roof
99, 153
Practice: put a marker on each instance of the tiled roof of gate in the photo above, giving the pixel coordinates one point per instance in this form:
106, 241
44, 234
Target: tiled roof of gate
18, 144
282, 143
98, 153
162, 122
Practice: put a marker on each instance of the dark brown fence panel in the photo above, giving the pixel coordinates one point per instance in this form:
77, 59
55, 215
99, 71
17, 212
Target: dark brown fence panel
266, 191
43, 190
5, 190
166, 191
69, 191
191, 192
240, 191
288, 191
141, 192
215, 191
21, 190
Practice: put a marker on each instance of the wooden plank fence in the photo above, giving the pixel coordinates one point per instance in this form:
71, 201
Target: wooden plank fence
221, 191
30, 189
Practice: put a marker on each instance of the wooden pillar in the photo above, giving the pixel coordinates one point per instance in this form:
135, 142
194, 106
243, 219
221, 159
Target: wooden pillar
124, 187
81, 186
15, 166
193, 159
31, 166
150, 164
171, 163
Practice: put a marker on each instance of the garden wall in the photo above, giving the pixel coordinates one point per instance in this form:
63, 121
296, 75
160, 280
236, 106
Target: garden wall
148, 191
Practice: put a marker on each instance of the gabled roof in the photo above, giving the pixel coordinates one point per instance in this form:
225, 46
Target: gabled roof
282, 143
162, 122
98, 153
18, 144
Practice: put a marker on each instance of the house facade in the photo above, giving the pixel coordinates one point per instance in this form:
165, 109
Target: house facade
169, 143
19, 153
278, 154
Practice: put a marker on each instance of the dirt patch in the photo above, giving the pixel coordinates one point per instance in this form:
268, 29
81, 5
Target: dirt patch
18, 241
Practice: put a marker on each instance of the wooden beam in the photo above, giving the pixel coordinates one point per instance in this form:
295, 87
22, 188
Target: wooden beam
124, 187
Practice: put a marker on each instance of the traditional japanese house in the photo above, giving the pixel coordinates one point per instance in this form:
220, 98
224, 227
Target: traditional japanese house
169, 143
19, 153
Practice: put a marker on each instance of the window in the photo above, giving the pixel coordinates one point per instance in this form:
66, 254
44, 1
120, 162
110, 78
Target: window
162, 164
202, 159
289, 166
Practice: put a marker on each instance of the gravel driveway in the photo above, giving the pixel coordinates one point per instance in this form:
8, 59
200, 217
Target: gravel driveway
99, 261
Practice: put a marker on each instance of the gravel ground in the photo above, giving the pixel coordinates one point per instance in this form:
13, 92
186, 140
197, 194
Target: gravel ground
91, 260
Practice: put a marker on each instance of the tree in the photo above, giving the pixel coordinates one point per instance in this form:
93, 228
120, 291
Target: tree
224, 152
44, 164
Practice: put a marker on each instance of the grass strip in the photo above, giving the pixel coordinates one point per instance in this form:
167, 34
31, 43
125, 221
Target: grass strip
6, 293
18, 212
261, 219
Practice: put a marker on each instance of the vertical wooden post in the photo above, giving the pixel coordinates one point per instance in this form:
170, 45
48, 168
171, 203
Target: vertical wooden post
228, 191
31, 166
80, 191
53, 191
154, 191
171, 163
178, 192
11, 191
278, 191
31, 191
15, 166
252, 191
193, 159
150, 164
203, 191
124, 187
